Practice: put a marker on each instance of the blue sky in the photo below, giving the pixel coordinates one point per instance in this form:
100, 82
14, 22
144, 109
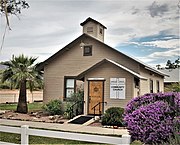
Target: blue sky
146, 46
146, 30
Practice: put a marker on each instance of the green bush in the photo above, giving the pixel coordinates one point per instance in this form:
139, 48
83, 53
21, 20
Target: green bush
113, 117
54, 107
67, 113
76, 104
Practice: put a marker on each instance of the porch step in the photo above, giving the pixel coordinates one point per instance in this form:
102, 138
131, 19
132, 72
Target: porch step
81, 119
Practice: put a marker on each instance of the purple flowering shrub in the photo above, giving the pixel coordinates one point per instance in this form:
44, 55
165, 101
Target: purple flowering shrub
176, 132
149, 118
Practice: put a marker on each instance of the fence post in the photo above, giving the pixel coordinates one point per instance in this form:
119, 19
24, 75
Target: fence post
126, 139
24, 135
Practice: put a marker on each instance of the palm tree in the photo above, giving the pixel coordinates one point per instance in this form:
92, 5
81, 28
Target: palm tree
20, 71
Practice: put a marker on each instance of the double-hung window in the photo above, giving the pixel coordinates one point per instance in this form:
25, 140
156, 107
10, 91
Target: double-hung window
69, 87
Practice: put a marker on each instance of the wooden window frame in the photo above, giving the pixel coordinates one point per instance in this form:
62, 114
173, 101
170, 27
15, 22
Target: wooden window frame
136, 82
89, 53
65, 86
101, 31
157, 86
151, 86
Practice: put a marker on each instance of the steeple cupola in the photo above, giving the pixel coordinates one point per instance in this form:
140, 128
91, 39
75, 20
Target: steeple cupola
93, 28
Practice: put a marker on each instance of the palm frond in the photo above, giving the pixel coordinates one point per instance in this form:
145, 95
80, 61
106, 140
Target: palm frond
22, 68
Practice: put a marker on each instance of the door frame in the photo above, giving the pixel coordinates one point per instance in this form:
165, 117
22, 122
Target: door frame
100, 80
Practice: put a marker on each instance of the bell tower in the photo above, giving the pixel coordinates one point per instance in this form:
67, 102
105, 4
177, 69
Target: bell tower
93, 28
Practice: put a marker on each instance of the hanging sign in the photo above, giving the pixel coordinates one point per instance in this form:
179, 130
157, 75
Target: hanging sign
117, 88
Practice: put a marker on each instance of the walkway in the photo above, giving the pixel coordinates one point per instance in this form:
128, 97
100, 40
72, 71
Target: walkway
65, 127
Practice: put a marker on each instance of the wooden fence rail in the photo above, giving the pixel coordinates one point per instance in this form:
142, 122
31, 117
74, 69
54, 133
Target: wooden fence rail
25, 131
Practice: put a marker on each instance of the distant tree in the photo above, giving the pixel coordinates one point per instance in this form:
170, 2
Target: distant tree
174, 87
177, 63
174, 65
169, 65
21, 71
158, 66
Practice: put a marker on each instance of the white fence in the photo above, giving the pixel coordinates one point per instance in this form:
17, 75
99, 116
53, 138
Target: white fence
25, 131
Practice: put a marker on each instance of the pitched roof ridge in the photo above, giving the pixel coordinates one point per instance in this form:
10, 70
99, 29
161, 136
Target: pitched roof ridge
84, 34
112, 62
125, 68
91, 19
137, 60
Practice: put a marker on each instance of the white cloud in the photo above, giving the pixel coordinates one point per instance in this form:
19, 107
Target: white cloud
169, 53
161, 57
42, 54
172, 43
128, 26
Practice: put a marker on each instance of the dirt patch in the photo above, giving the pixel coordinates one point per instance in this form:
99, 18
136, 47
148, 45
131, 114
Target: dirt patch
96, 123
39, 116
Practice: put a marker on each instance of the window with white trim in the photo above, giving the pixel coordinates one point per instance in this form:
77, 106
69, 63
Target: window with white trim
69, 88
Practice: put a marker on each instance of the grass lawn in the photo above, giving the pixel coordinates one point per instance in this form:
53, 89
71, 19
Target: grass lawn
15, 138
31, 106
136, 143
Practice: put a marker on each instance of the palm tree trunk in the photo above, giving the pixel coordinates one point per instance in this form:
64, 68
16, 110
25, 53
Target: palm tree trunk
22, 102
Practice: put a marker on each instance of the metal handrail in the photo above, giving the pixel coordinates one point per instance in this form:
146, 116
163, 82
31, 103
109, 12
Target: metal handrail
98, 104
71, 108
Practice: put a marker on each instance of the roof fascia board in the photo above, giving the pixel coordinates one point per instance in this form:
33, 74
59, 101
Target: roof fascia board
156, 71
112, 62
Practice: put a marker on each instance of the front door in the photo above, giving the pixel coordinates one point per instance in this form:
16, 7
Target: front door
95, 97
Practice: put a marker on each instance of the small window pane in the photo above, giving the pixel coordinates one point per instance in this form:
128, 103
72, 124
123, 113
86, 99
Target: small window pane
100, 30
89, 29
151, 86
69, 92
87, 50
70, 83
158, 87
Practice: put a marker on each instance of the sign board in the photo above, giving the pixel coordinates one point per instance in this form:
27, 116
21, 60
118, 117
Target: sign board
117, 88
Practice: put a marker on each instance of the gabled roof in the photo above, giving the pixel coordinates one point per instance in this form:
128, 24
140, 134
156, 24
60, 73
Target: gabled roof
78, 40
61, 51
174, 75
81, 75
90, 19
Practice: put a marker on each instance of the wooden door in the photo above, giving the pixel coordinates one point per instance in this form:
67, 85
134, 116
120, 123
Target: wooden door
95, 96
